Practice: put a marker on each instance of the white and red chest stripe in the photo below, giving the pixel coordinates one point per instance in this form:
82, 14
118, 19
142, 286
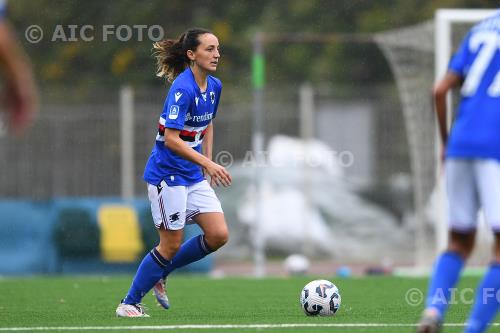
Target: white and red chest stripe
193, 136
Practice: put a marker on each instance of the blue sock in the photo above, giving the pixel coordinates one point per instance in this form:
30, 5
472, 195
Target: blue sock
149, 272
486, 303
190, 251
444, 278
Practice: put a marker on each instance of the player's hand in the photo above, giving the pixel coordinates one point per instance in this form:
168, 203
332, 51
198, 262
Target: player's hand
218, 175
442, 157
211, 180
21, 104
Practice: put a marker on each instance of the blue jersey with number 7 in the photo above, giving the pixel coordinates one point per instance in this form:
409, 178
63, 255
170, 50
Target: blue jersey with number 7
476, 129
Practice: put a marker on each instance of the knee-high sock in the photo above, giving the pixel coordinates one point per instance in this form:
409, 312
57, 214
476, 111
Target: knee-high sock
149, 272
444, 278
487, 301
190, 251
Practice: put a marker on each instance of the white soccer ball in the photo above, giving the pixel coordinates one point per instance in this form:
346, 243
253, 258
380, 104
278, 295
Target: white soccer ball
297, 264
320, 297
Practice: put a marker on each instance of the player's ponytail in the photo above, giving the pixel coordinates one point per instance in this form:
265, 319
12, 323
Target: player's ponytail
170, 54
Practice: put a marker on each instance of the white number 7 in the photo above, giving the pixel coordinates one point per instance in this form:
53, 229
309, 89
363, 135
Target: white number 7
491, 42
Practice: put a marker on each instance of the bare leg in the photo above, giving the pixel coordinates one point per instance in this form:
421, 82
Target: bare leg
497, 248
215, 235
462, 243
215, 229
170, 241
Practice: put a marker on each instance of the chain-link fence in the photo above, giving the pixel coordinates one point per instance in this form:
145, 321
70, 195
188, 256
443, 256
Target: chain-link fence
74, 147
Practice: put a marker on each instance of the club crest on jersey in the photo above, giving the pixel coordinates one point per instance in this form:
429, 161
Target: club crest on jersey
174, 112
177, 95
212, 97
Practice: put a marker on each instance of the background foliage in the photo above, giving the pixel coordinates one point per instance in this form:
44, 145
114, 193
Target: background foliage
83, 64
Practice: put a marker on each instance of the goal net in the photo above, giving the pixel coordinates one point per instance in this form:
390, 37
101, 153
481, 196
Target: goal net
418, 55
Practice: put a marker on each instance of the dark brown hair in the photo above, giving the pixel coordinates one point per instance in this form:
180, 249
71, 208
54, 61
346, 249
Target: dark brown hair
170, 54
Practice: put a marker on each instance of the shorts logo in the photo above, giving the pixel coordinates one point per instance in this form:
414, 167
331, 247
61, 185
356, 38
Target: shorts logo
212, 97
174, 112
174, 217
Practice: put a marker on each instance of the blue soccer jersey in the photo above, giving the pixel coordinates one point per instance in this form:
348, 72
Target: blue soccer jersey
476, 129
189, 110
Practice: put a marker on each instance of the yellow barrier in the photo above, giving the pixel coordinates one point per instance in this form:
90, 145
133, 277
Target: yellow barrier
120, 236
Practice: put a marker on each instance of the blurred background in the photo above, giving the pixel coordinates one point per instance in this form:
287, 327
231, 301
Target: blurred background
325, 124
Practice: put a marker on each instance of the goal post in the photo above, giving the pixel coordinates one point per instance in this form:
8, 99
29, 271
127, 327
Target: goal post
418, 56
444, 19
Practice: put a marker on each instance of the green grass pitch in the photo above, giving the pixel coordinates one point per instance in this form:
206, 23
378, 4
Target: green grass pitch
87, 304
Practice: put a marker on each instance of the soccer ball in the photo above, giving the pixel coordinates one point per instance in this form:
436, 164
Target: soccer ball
320, 297
296, 264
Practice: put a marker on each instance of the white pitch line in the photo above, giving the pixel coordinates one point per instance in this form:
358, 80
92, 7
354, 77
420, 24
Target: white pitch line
201, 327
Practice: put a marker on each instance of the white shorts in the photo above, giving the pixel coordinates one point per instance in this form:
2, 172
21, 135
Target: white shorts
471, 185
174, 206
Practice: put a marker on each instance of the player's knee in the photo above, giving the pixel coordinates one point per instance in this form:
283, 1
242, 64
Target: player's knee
497, 248
464, 250
223, 238
465, 253
462, 243
218, 239
168, 250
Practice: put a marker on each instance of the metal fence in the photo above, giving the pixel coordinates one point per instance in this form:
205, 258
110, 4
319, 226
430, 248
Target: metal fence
74, 147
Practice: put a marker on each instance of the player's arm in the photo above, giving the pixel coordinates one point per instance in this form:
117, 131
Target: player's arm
21, 93
208, 141
216, 172
207, 148
439, 93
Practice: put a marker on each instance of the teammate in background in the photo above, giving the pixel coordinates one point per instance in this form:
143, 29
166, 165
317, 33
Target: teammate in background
473, 173
177, 188
19, 97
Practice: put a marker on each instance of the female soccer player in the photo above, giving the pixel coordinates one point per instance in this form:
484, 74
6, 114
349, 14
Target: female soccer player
177, 188
472, 172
